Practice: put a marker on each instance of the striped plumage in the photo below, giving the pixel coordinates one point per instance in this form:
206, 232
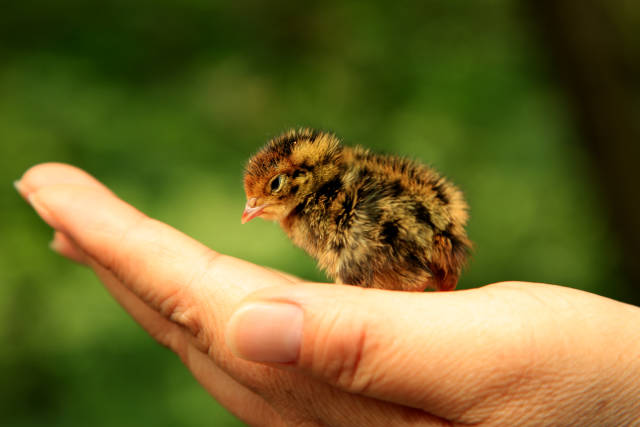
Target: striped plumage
369, 220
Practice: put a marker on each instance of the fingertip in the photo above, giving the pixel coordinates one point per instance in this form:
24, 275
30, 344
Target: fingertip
42, 210
46, 174
73, 208
47, 167
55, 244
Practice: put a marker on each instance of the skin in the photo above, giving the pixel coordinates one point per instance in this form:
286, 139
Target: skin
277, 351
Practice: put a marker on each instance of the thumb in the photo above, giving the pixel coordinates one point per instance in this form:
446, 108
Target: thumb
414, 349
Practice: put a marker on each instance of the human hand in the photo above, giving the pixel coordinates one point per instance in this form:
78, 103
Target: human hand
503, 354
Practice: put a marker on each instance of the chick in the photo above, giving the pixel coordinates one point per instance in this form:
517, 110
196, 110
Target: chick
369, 220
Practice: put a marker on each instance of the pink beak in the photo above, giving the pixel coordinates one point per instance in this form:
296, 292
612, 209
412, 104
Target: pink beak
251, 210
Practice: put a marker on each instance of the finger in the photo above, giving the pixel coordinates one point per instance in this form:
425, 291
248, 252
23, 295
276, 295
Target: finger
55, 173
62, 245
158, 259
160, 328
290, 277
239, 400
419, 350
146, 256
235, 397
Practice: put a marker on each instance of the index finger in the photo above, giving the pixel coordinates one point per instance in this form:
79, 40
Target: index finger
173, 273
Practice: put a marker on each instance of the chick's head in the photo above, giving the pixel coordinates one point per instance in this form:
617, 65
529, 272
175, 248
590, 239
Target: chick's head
286, 171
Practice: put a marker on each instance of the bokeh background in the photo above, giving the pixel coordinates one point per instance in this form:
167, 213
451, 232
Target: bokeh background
531, 107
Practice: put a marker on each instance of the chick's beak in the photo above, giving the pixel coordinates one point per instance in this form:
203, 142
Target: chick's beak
251, 210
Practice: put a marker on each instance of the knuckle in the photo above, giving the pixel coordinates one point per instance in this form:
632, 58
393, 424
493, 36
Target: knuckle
188, 317
176, 307
340, 354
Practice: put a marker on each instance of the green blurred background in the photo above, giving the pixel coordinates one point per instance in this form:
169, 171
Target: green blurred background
164, 101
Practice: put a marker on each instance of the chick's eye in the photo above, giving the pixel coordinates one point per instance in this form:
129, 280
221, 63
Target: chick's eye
277, 183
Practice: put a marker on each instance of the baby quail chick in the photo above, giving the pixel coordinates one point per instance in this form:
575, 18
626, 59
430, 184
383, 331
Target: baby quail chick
369, 220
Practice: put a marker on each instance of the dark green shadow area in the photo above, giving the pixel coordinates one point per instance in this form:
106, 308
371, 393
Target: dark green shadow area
164, 102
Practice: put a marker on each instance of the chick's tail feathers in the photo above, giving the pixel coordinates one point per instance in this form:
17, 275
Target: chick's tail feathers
448, 258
